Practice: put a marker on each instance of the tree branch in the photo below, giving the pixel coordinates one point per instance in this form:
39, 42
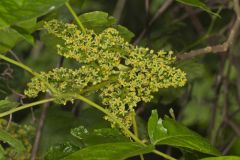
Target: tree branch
220, 48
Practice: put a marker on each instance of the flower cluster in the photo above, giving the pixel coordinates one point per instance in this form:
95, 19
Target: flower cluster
123, 74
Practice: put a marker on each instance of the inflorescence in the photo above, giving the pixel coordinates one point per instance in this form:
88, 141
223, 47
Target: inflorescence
123, 74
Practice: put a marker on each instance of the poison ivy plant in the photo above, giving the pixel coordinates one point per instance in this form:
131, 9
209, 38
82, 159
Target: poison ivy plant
106, 63
169, 132
132, 73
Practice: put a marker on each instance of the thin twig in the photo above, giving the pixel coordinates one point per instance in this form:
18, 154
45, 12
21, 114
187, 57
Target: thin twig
195, 21
229, 146
202, 51
39, 130
233, 125
9, 121
42, 120
15, 56
147, 7
160, 11
217, 89
75, 17
119, 9
225, 108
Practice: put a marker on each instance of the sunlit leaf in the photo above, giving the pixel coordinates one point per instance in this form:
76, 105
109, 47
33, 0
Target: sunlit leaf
169, 132
14, 11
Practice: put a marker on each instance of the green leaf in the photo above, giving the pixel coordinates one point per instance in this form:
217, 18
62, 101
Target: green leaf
170, 132
110, 151
98, 136
7, 138
9, 37
156, 129
98, 21
199, 4
222, 158
60, 151
25, 28
6, 105
14, 11
124, 32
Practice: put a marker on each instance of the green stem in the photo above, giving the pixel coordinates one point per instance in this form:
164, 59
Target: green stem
135, 129
141, 157
18, 64
26, 106
163, 155
75, 17
100, 85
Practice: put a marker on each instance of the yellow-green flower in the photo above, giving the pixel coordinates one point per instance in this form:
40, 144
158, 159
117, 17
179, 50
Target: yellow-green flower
130, 74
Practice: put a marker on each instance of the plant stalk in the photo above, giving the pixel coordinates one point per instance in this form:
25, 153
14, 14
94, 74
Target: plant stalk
135, 129
26, 68
26, 106
75, 17
18, 64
